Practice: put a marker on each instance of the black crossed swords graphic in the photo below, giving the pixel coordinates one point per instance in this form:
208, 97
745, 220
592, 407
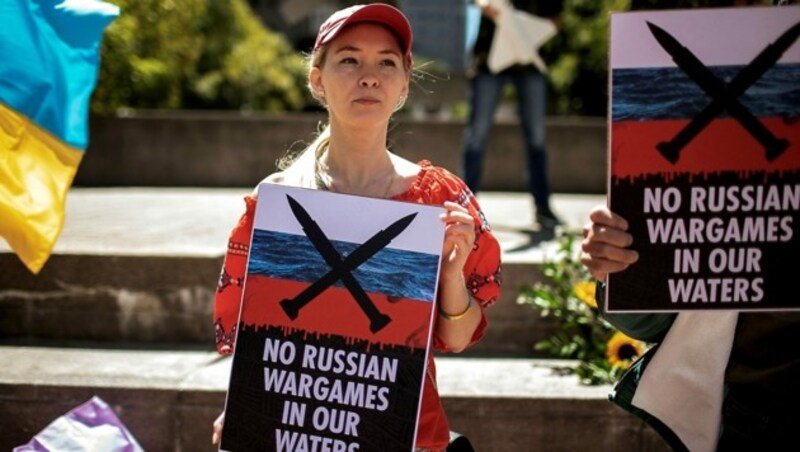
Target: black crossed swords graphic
340, 269
724, 95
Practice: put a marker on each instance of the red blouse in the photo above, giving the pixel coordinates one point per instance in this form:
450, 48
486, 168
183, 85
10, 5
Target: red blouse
433, 186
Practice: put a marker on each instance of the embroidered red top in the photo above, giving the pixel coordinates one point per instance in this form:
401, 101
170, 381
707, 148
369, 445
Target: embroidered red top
482, 271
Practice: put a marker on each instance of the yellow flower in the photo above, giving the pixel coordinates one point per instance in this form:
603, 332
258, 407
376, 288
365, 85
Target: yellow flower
622, 350
585, 292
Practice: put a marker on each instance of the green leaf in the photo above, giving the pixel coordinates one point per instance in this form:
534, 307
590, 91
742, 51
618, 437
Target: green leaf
582, 334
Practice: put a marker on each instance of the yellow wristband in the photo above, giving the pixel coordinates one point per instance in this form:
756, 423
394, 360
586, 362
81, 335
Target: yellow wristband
457, 316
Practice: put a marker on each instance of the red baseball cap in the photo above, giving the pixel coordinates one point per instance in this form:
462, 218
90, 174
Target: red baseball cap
374, 12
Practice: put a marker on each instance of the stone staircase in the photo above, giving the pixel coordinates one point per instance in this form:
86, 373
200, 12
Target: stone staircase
123, 310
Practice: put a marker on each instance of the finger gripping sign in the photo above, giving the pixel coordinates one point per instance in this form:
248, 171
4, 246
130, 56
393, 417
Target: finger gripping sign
335, 323
704, 157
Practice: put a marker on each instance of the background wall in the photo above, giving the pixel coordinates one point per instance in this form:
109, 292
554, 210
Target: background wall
228, 149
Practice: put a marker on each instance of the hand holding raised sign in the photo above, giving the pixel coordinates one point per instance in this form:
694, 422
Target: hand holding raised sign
605, 243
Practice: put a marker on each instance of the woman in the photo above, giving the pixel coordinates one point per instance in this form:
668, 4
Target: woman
360, 70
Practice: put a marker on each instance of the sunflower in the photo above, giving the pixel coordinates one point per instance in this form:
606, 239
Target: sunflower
584, 290
622, 350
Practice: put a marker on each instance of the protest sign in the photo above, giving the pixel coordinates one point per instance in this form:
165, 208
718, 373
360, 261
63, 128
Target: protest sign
704, 157
335, 323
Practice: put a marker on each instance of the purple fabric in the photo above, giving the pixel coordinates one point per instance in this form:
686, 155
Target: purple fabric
91, 426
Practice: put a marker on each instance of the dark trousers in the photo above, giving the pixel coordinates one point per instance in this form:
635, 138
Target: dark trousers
484, 97
754, 421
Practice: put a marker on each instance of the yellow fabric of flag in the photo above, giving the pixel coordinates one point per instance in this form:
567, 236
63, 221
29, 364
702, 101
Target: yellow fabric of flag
37, 170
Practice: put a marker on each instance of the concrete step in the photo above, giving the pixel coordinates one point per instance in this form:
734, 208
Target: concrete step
169, 398
141, 265
123, 311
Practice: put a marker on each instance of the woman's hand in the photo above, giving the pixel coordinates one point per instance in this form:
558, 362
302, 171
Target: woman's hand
487, 9
217, 436
457, 327
459, 238
605, 243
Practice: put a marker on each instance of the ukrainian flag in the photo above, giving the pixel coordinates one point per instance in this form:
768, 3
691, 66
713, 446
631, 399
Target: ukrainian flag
49, 59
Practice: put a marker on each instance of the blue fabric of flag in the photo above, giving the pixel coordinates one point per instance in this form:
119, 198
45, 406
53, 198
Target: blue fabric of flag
49, 61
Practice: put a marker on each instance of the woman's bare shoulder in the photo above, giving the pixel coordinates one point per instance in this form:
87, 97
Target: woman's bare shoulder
276, 178
404, 167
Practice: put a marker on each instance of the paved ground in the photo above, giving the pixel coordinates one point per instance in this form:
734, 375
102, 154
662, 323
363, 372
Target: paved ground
196, 221
205, 370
